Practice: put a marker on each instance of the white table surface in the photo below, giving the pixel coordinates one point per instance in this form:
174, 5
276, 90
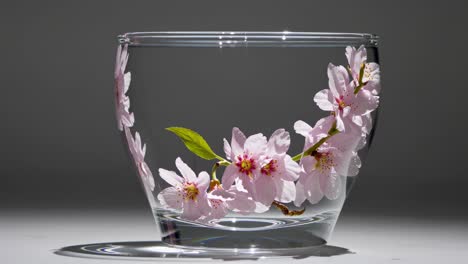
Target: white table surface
29, 236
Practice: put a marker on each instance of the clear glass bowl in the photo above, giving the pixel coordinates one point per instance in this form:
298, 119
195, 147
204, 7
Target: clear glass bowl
247, 142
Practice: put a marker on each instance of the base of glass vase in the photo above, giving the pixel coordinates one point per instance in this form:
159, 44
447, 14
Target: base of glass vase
159, 250
244, 233
228, 238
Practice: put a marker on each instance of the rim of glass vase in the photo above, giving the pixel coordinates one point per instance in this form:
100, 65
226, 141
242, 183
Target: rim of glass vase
223, 39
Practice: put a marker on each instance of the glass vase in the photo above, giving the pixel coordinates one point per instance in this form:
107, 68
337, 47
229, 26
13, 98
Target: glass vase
247, 143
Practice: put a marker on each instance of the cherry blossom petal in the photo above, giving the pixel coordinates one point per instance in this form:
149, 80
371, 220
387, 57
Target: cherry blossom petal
237, 142
241, 203
324, 124
238, 185
151, 183
285, 191
324, 99
118, 61
143, 150
302, 128
147, 175
365, 102
171, 198
338, 80
265, 190
127, 119
122, 83
346, 111
348, 163
223, 193
367, 123
342, 160
170, 177
120, 126
340, 125
138, 145
256, 144
185, 170
202, 203
229, 175
373, 87
330, 184
261, 208
227, 149
313, 192
125, 57
373, 102
129, 137
124, 118
300, 194
248, 184
191, 211
324, 178
292, 169
124, 104
127, 79
347, 141
357, 119
356, 58
354, 166
203, 181
264, 160
372, 77
308, 163
236, 198
218, 209
119, 85
321, 128
308, 187
122, 58
279, 142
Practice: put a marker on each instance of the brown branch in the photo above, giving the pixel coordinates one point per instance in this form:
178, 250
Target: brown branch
285, 210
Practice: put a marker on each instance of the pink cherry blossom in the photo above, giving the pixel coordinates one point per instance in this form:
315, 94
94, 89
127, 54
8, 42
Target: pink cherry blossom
371, 76
234, 199
245, 154
355, 60
187, 193
138, 154
122, 83
323, 171
278, 171
218, 208
263, 167
341, 100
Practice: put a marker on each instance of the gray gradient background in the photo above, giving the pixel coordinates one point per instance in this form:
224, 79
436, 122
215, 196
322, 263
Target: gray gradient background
60, 147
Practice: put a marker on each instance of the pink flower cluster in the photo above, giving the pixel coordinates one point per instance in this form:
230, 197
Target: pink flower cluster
337, 157
122, 83
188, 193
126, 120
259, 171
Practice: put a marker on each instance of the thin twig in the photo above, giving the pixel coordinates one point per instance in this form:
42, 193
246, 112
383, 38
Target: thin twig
285, 210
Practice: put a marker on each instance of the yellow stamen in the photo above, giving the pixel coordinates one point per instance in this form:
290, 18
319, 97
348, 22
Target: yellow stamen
191, 191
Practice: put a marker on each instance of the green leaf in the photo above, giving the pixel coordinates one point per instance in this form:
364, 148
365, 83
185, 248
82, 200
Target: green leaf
194, 142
